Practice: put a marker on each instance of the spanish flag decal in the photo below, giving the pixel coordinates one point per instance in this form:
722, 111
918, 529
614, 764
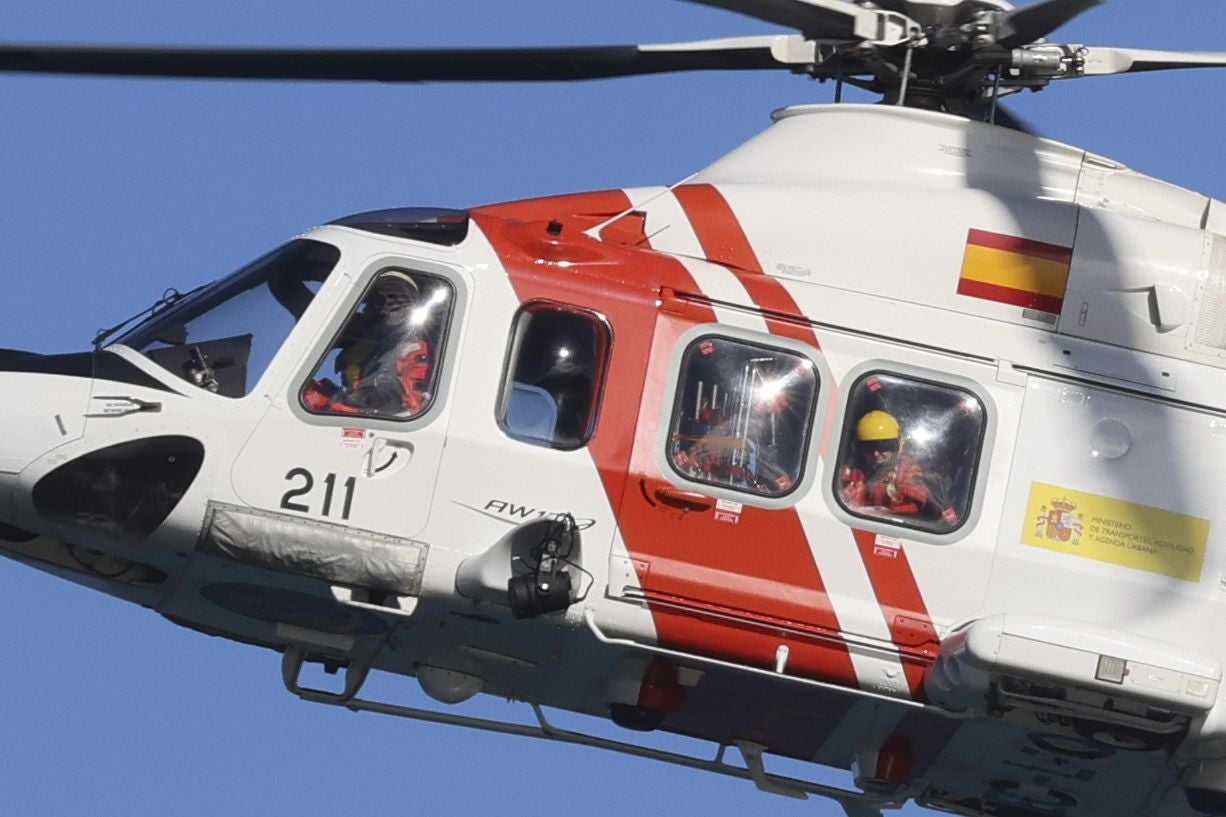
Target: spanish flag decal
1017, 271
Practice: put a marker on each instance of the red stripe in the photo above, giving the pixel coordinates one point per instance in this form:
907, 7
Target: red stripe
733, 609
721, 237
1008, 295
769, 597
610, 210
724, 242
1024, 246
709, 588
901, 603
611, 448
720, 234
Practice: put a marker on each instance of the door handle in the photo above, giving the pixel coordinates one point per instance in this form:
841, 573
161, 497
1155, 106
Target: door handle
685, 500
386, 456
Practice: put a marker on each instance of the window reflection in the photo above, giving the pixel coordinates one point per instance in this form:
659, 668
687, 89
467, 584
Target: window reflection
385, 361
742, 417
910, 451
556, 365
223, 336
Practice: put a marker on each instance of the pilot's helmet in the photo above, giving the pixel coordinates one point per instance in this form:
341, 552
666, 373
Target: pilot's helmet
878, 430
394, 293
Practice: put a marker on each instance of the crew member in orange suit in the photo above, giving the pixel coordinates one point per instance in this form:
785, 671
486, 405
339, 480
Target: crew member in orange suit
882, 477
386, 362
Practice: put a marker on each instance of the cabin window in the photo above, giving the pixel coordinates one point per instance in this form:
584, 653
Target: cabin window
555, 369
910, 452
386, 360
743, 416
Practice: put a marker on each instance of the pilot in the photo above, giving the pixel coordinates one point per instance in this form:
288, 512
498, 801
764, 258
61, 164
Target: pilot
386, 358
880, 476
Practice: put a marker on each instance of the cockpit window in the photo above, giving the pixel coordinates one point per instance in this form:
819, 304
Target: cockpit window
742, 416
223, 336
385, 362
910, 452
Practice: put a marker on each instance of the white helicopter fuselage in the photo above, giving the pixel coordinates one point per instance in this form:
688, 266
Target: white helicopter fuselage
1048, 640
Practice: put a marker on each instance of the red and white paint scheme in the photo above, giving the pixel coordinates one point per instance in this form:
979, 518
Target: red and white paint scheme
619, 474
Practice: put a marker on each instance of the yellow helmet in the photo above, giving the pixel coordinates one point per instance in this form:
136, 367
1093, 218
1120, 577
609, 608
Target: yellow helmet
877, 425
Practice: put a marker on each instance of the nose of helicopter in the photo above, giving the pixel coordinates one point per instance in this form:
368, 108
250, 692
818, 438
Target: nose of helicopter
43, 402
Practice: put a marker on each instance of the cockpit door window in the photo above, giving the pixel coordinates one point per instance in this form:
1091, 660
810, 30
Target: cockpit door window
386, 360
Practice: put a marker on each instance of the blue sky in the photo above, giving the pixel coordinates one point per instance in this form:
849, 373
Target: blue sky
113, 190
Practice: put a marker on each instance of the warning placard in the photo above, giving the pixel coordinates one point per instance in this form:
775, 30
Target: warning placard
1111, 530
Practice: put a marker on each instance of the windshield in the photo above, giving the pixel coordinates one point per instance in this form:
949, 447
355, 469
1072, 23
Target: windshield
223, 336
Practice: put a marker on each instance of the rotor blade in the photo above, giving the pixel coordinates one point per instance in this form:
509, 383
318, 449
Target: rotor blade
1104, 61
394, 65
1025, 25
823, 19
